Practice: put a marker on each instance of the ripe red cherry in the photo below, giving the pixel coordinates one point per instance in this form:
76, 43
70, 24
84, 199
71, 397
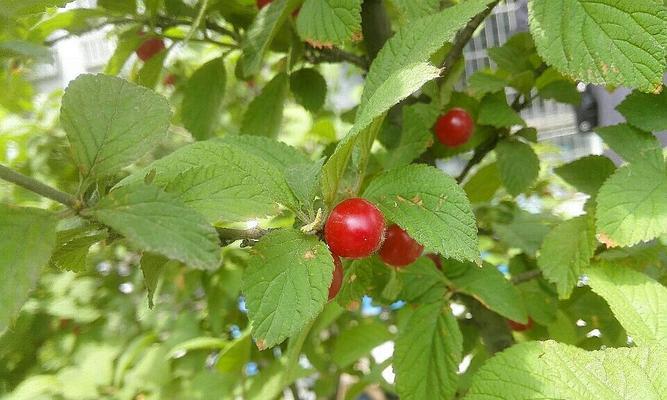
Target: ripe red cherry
337, 280
354, 229
436, 260
263, 3
454, 128
149, 48
519, 327
399, 249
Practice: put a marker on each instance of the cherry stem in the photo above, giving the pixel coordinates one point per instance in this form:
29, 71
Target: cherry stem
38, 187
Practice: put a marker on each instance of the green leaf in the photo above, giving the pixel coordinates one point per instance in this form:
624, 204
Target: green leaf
327, 22
428, 353
304, 181
494, 111
285, 284
265, 112
202, 99
422, 282
12, 8
152, 267
260, 34
417, 42
27, 238
636, 300
127, 43
515, 56
158, 222
587, 174
430, 206
22, 48
634, 145
110, 122
566, 251
280, 155
75, 21
562, 91
309, 88
399, 85
481, 187
486, 81
358, 341
550, 370
367, 276
149, 74
72, 250
411, 10
606, 43
525, 231
631, 206
645, 111
541, 304
211, 177
489, 287
416, 136
518, 166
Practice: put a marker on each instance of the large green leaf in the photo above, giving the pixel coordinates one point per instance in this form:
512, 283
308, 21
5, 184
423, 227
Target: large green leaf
261, 32
587, 174
631, 206
286, 284
634, 145
418, 42
357, 341
278, 154
616, 43
416, 136
309, 88
13, 8
327, 22
636, 300
489, 287
398, 86
525, 231
202, 99
222, 180
27, 238
428, 353
645, 111
550, 370
518, 165
494, 111
430, 206
110, 122
483, 184
158, 222
265, 112
566, 250
367, 276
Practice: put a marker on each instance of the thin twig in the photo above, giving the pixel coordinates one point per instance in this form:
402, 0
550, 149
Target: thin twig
38, 187
462, 38
249, 236
526, 276
478, 155
334, 55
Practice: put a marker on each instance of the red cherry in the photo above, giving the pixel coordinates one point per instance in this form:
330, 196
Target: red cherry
436, 260
169, 80
263, 3
149, 48
454, 128
519, 327
354, 229
399, 249
337, 280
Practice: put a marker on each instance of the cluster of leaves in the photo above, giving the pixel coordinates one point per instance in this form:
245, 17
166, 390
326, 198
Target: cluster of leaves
183, 214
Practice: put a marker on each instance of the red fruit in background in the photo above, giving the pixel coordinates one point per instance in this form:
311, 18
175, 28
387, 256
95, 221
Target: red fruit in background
399, 249
454, 128
337, 280
354, 229
436, 260
149, 48
169, 80
263, 3
519, 327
